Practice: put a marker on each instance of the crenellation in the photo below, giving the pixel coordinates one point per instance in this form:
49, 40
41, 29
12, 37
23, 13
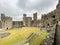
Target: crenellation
7, 23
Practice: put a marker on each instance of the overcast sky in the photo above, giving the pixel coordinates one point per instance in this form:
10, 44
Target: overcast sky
16, 8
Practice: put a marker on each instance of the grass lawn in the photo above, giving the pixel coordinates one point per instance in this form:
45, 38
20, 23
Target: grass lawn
17, 35
37, 39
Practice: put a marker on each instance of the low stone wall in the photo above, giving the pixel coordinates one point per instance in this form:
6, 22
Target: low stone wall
49, 40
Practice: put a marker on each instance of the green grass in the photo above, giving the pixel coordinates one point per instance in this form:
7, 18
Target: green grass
17, 35
37, 39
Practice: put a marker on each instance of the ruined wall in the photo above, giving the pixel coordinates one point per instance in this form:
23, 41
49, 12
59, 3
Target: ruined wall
5, 22
17, 24
51, 17
0, 24
35, 20
8, 22
27, 21
24, 20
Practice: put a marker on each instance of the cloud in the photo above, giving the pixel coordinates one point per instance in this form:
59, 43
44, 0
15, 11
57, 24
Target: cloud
10, 8
8, 3
36, 4
16, 8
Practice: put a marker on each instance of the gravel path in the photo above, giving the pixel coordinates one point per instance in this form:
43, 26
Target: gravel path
4, 35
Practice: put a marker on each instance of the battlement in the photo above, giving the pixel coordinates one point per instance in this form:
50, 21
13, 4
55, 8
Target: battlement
8, 18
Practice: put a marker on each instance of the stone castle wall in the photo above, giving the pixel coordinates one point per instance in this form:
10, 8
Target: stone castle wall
5, 22
8, 22
26, 21
51, 17
17, 24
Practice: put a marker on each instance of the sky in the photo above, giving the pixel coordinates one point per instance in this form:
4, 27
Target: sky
16, 8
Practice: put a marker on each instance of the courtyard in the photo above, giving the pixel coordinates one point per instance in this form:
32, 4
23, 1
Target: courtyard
19, 34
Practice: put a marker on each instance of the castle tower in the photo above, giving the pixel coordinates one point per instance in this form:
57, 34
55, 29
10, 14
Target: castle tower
5, 21
2, 17
35, 16
58, 6
24, 19
35, 19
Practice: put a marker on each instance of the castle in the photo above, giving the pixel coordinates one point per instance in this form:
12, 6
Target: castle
52, 17
7, 23
46, 19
